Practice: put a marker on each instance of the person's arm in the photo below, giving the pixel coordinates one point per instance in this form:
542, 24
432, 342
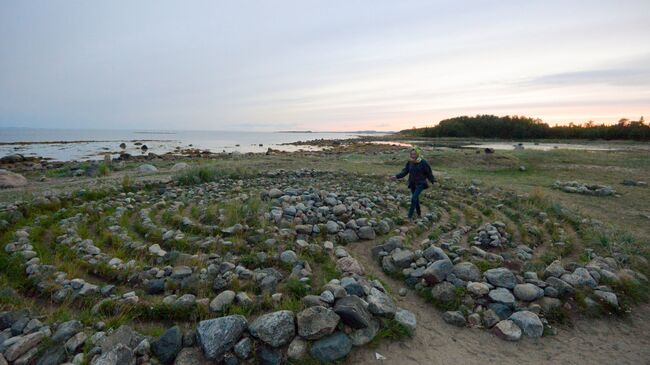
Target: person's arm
430, 173
404, 172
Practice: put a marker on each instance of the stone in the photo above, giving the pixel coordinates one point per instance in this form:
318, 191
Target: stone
563, 288
155, 286
607, 297
147, 168
275, 193
168, 345
289, 257
348, 236
22, 345
433, 253
402, 258
276, 328
490, 318
66, 330
507, 330
444, 292
529, 323
437, 272
118, 355
549, 304
191, 356
363, 336
367, 233
349, 265
379, 303
478, 289
217, 336
555, 269
501, 277
353, 312
124, 335
406, 319
528, 292
581, 278
9, 180
222, 300
243, 348
143, 348
180, 166
75, 342
467, 271
316, 322
331, 348
502, 295
297, 349
53, 356
268, 355
455, 318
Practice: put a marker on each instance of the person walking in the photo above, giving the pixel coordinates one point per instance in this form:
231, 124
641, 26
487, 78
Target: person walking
419, 171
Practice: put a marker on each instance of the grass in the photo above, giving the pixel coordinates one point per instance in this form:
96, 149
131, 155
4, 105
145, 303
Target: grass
392, 330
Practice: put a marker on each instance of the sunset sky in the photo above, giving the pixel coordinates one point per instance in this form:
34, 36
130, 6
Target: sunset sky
319, 65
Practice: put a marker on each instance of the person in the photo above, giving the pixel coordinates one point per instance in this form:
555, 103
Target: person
419, 172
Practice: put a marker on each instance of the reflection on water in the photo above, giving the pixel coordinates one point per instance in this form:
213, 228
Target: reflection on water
93, 144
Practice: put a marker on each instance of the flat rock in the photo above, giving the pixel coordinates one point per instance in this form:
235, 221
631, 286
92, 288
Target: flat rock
316, 322
352, 311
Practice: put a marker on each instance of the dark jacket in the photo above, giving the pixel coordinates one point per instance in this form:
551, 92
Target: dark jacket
418, 172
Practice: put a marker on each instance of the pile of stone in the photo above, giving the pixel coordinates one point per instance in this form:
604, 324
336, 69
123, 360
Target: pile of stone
511, 304
491, 235
575, 187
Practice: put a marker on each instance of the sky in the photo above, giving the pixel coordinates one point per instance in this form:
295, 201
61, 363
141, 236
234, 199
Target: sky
319, 65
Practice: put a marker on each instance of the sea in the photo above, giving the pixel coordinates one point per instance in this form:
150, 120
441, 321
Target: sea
93, 144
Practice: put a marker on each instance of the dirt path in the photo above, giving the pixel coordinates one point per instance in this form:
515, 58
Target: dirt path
603, 341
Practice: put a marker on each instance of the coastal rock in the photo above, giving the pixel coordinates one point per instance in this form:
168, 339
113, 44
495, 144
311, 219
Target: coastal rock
10, 179
217, 336
316, 322
275, 329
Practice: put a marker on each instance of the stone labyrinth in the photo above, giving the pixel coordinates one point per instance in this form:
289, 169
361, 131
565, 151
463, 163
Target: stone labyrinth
255, 269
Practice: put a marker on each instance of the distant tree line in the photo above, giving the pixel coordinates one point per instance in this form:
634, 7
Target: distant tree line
519, 127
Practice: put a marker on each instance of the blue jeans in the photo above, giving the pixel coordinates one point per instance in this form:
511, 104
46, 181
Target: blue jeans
415, 200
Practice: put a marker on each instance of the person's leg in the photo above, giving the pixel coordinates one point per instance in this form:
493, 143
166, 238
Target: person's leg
415, 201
412, 207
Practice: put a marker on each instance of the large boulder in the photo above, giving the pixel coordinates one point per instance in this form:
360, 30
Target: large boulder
353, 312
217, 336
379, 303
529, 323
332, 347
501, 277
437, 272
528, 292
467, 271
168, 345
10, 179
316, 322
276, 328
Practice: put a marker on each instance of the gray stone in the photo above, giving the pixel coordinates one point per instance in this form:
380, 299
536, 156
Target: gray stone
455, 318
288, 257
275, 329
580, 279
267, 355
490, 318
332, 347
528, 292
217, 336
168, 345
402, 258
437, 272
406, 319
22, 345
502, 295
223, 299
243, 348
53, 356
529, 323
379, 303
433, 253
316, 322
363, 336
352, 311
124, 335
349, 265
501, 277
297, 349
66, 330
555, 269
191, 356
444, 292
478, 289
467, 271
564, 289
118, 355
507, 330
607, 297
367, 233
75, 342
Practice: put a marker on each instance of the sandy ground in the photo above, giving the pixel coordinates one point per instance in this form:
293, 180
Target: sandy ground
589, 341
